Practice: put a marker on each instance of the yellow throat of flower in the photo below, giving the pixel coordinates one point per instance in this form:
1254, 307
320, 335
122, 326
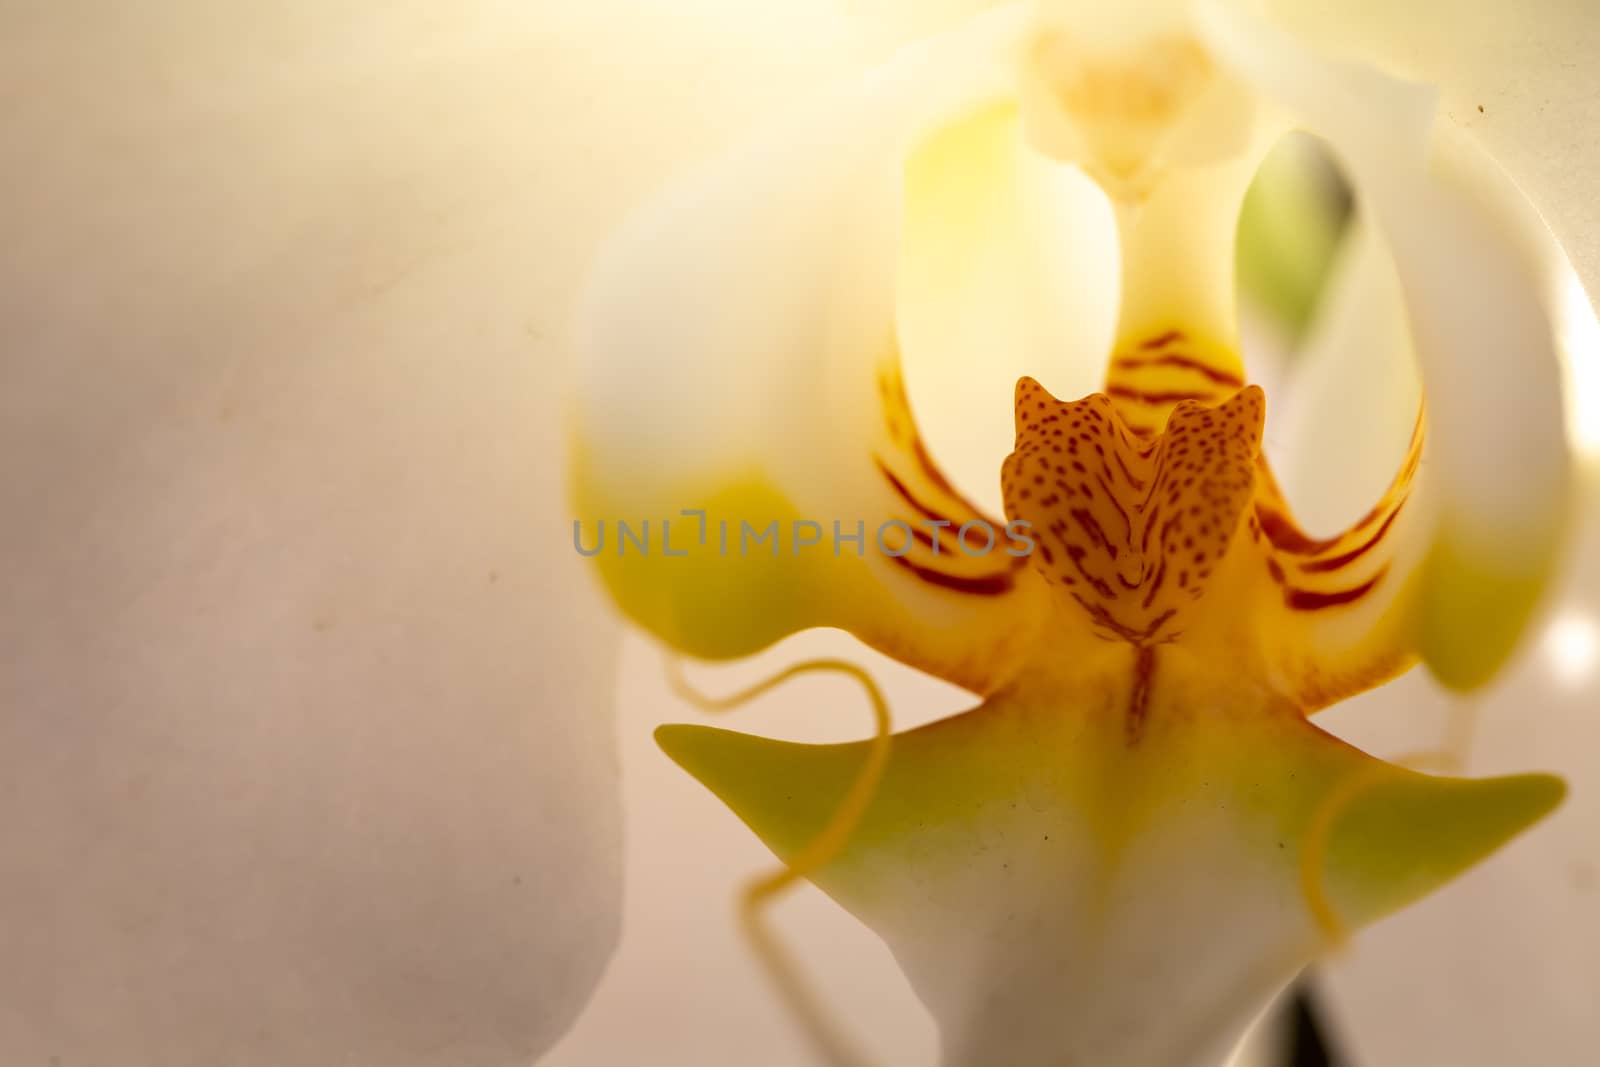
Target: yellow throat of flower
1157, 523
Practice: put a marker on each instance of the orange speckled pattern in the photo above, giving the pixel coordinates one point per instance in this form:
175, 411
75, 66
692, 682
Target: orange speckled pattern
1129, 525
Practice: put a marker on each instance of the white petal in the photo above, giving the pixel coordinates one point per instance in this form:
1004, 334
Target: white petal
727, 290
889, 22
1359, 354
740, 342
1496, 467
1007, 268
1126, 91
1356, 365
305, 730
1500, 968
1519, 77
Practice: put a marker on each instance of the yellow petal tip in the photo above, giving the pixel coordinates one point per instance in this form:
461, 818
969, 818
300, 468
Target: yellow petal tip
785, 792
1404, 836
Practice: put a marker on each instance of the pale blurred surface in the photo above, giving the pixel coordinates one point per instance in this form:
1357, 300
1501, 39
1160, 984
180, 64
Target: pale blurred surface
307, 741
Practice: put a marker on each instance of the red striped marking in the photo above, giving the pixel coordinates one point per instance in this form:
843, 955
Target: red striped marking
1076, 553
1101, 616
1162, 339
1333, 563
982, 585
977, 585
1310, 600
1177, 359
906, 494
1155, 583
1285, 535
1136, 484
1128, 392
930, 469
1087, 520
1111, 498
1144, 668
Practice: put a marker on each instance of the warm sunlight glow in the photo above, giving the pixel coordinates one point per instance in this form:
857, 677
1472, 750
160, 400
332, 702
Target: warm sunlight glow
1581, 338
1572, 645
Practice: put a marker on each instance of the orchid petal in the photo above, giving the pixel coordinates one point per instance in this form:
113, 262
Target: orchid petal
1518, 78
1356, 357
1129, 94
1003, 272
1497, 470
741, 366
305, 721
1036, 871
1400, 997
895, 22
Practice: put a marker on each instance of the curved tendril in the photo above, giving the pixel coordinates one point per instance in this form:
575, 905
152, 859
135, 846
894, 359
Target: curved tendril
1461, 731
1314, 854
1449, 758
796, 992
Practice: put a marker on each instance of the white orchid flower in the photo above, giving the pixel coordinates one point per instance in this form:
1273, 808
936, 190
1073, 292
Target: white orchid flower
306, 731
1137, 836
